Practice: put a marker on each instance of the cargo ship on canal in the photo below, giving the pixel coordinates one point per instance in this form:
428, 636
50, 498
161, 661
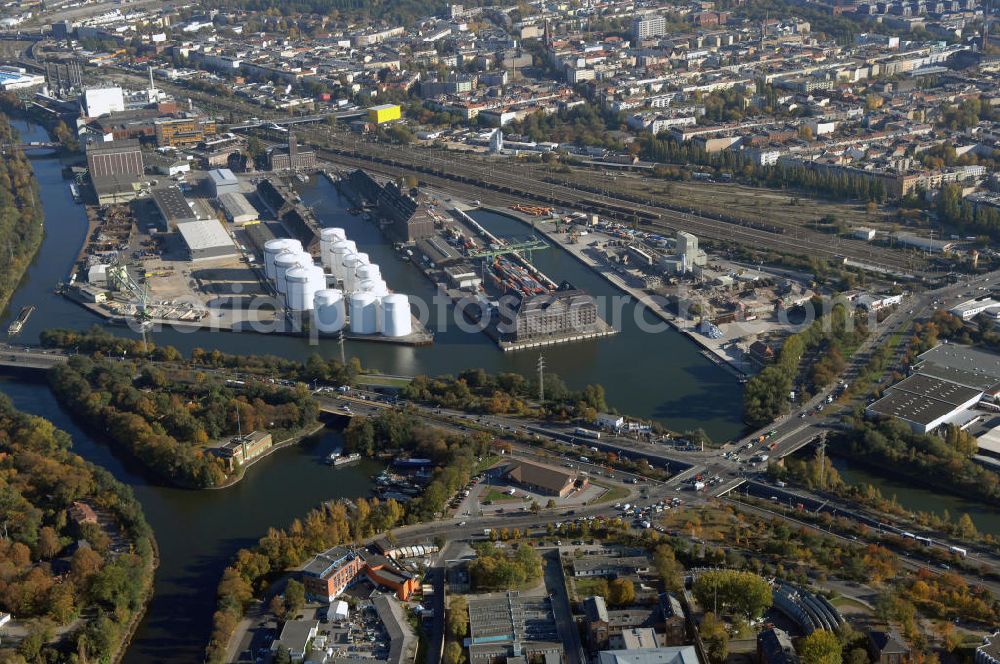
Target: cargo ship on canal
22, 317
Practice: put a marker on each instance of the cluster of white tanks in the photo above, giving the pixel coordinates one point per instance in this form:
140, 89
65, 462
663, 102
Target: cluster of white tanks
362, 293
295, 276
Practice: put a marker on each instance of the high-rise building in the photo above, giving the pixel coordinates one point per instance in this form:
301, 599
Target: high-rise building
114, 158
648, 26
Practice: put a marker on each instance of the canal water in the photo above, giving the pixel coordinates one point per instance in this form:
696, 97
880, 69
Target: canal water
918, 499
199, 531
661, 376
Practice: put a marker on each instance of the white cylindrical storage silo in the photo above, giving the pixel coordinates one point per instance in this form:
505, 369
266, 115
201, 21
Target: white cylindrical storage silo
327, 238
364, 313
352, 245
285, 262
329, 312
339, 251
316, 283
370, 271
376, 287
274, 247
363, 257
303, 282
296, 282
349, 267
395, 316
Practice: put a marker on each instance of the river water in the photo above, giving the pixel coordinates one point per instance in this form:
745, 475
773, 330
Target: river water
919, 499
661, 376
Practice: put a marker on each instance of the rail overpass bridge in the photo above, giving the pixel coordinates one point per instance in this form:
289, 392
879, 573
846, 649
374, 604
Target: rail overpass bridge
305, 119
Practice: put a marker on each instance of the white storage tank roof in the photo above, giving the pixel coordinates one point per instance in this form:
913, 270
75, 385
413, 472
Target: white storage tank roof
327, 238
350, 265
329, 310
369, 271
376, 287
339, 251
364, 313
396, 318
286, 261
274, 247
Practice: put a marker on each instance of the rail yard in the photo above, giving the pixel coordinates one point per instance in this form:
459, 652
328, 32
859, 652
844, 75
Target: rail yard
506, 187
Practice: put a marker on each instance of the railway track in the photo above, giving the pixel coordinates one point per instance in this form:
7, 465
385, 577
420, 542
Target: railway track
482, 176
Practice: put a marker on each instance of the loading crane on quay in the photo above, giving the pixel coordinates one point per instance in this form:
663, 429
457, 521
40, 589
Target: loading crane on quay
492, 252
124, 282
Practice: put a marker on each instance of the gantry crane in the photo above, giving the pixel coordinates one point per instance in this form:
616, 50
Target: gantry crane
490, 253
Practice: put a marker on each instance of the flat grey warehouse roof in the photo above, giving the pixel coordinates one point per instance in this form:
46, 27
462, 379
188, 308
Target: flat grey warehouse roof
172, 205
930, 387
966, 358
204, 234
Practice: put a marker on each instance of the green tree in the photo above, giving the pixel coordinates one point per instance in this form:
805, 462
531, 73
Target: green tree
714, 636
621, 592
667, 567
458, 617
742, 592
857, 656
453, 653
820, 647
295, 597
966, 528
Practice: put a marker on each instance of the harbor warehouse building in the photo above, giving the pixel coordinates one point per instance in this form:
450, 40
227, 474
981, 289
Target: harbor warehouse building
238, 209
173, 207
114, 158
926, 402
541, 478
206, 239
223, 181
384, 113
